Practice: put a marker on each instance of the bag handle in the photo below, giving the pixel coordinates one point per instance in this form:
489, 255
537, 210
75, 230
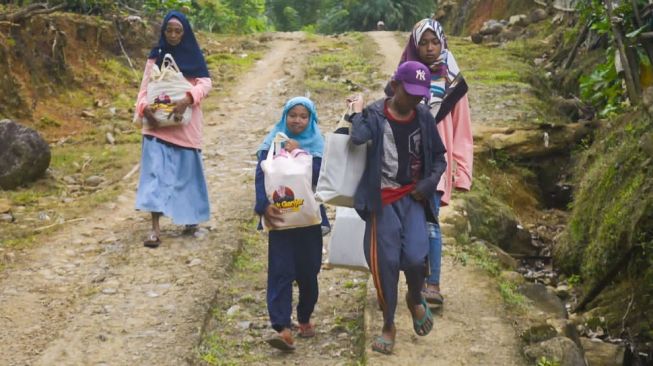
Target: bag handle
343, 122
168, 65
276, 144
169, 62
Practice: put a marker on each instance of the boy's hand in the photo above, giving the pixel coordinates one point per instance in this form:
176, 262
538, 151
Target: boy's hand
272, 216
356, 102
417, 195
291, 145
149, 116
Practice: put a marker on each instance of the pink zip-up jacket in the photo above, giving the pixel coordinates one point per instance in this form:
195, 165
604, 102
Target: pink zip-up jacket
456, 134
189, 135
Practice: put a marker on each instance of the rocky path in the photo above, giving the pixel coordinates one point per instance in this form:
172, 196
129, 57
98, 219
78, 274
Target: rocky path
472, 328
93, 295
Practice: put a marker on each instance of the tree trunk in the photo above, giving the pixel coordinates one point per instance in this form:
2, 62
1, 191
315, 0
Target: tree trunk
631, 83
647, 43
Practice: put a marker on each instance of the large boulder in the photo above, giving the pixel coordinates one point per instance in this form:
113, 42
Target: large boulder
496, 223
560, 349
537, 15
544, 298
492, 27
24, 155
599, 353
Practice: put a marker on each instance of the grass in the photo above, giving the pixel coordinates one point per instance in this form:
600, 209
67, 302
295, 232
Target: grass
78, 146
340, 65
225, 344
511, 297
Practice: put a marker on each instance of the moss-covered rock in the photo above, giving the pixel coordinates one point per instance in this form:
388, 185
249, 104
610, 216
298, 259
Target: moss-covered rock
611, 225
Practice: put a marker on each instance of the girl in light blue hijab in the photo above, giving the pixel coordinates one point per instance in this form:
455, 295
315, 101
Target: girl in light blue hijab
309, 139
294, 255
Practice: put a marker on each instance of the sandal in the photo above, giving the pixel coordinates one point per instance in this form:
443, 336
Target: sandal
306, 330
190, 229
152, 241
432, 296
383, 345
422, 326
282, 341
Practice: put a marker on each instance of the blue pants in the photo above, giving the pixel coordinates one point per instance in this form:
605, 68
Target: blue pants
396, 239
435, 244
293, 255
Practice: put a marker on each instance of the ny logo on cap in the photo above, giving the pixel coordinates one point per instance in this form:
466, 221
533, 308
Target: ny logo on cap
420, 74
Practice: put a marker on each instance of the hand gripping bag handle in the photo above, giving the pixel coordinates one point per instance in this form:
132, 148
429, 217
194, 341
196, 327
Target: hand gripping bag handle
343, 122
276, 144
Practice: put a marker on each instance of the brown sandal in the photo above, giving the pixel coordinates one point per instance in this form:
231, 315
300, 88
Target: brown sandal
306, 330
282, 341
433, 296
152, 241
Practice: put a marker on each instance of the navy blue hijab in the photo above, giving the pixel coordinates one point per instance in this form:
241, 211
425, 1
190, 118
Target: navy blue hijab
187, 53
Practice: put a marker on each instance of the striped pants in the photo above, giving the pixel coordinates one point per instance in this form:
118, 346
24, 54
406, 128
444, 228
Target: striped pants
396, 240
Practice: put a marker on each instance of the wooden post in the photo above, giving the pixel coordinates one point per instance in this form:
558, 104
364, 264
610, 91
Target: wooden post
631, 83
647, 43
574, 49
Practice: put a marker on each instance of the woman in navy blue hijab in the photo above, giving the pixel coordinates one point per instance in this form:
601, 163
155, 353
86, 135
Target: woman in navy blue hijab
172, 181
185, 50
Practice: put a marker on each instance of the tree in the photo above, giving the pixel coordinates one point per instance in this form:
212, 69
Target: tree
362, 15
305, 12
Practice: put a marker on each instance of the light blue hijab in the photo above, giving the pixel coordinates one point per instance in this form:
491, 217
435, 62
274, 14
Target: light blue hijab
310, 139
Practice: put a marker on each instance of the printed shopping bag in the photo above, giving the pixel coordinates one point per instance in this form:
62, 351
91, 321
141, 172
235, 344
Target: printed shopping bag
288, 185
342, 167
346, 245
167, 86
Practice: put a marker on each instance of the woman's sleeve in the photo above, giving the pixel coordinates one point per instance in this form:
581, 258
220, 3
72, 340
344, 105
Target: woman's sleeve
141, 100
200, 89
262, 202
463, 144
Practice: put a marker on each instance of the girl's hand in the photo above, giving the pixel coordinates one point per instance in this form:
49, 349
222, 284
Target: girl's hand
180, 108
291, 145
272, 216
149, 116
356, 102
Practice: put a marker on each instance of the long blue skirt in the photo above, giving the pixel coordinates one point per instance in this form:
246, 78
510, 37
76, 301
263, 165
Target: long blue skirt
172, 182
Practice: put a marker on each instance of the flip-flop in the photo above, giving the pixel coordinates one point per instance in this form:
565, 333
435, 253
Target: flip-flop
432, 296
152, 241
422, 326
383, 345
280, 343
190, 229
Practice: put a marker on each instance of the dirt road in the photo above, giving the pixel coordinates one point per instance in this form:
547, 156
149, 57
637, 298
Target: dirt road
472, 327
93, 295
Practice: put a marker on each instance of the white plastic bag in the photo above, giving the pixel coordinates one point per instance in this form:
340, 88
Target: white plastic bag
288, 185
346, 245
166, 87
342, 167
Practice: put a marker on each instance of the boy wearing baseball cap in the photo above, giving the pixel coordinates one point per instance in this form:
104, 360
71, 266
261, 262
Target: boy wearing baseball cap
405, 159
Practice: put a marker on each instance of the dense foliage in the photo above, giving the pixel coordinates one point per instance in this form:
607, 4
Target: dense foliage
334, 16
603, 87
611, 222
363, 15
247, 16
